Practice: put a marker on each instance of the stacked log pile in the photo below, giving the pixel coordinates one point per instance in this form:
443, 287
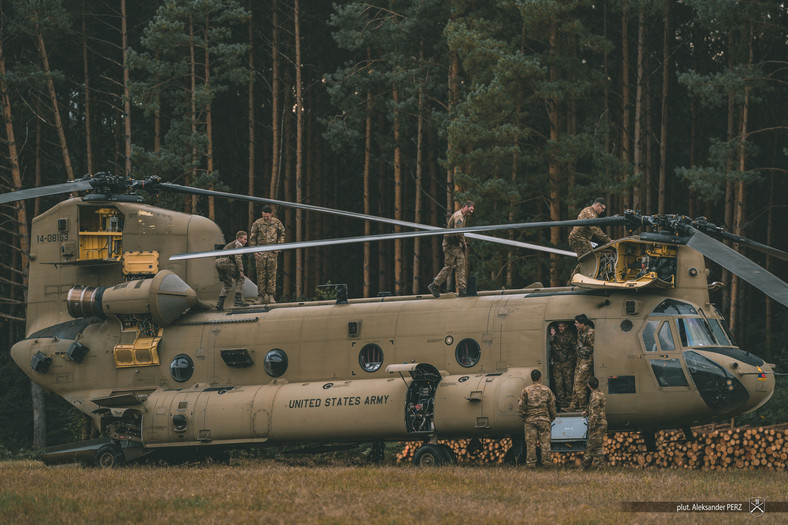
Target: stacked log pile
713, 449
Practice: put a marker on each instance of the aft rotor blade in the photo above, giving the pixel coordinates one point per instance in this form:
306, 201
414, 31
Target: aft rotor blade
389, 236
45, 191
177, 188
740, 265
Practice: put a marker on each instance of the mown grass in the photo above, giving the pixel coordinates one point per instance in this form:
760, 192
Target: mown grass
268, 491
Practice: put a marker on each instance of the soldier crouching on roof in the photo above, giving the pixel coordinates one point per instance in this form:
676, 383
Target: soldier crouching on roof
231, 272
580, 236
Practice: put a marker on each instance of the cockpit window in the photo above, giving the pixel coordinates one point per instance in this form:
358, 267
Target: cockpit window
719, 332
666, 338
694, 332
669, 372
653, 332
673, 307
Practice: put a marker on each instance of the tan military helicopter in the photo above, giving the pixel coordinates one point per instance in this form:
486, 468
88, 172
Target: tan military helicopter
122, 324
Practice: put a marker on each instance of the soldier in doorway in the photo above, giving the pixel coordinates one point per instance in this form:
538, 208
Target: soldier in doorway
585, 361
454, 253
597, 426
537, 410
580, 236
265, 231
231, 272
563, 351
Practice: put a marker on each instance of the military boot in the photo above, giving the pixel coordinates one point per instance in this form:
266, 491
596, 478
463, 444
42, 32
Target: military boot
220, 303
261, 299
271, 299
434, 290
463, 292
239, 300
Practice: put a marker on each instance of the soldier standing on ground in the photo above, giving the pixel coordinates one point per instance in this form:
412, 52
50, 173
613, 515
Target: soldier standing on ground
585, 361
537, 410
453, 253
265, 231
231, 272
597, 426
580, 236
563, 348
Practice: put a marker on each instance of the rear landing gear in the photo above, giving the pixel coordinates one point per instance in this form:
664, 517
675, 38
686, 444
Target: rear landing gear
109, 456
434, 456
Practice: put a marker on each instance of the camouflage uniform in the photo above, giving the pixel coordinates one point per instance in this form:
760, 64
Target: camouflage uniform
563, 348
583, 368
231, 270
597, 427
453, 253
264, 232
537, 410
580, 236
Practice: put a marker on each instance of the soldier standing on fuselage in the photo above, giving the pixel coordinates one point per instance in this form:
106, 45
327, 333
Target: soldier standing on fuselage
231, 272
453, 253
563, 351
537, 410
266, 230
597, 426
585, 361
580, 236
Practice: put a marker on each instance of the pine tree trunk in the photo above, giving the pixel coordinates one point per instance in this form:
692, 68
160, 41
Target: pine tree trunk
626, 107
399, 282
193, 112
250, 215
416, 280
299, 182
367, 270
126, 95
86, 80
639, 94
553, 168
55, 109
273, 189
663, 126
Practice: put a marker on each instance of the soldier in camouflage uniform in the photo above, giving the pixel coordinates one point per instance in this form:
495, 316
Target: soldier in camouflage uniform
580, 236
231, 272
585, 361
265, 231
537, 410
563, 348
597, 426
453, 253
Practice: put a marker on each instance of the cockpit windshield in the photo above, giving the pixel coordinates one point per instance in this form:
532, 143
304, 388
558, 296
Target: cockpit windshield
694, 331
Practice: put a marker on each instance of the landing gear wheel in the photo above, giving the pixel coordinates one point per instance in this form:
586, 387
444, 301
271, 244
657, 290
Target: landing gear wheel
429, 456
109, 456
448, 454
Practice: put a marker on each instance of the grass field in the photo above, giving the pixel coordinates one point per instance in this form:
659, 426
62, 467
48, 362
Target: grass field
268, 491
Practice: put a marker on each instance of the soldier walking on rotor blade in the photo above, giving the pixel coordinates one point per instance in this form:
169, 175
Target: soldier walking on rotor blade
580, 236
265, 231
453, 253
537, 410
231, 272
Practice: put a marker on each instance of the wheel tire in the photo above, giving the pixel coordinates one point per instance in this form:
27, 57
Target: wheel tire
109, 456
448, 455
429, 456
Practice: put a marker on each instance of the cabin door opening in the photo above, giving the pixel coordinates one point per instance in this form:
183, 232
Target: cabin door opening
561, 359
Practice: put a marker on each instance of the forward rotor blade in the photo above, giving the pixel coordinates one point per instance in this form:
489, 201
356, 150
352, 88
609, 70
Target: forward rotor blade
755, 245
736, 263
389, 236
44, 191
309, 207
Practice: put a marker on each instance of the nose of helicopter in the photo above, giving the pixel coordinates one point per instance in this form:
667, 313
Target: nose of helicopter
731, 382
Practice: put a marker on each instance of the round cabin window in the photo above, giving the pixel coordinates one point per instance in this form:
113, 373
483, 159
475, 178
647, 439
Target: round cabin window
275, 363
370, 357
182, 368
468, 353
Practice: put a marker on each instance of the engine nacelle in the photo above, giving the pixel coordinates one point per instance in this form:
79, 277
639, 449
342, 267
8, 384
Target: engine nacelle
165, 297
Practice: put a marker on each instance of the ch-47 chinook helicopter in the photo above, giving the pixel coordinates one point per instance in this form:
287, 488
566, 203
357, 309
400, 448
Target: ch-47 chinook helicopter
122, 324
